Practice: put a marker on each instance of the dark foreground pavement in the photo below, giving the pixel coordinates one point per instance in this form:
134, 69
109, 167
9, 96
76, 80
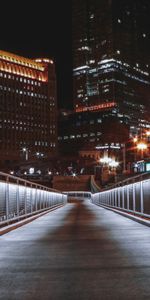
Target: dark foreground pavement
80, 251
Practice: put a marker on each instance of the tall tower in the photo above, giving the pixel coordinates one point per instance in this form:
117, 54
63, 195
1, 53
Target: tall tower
27, 107
111, 59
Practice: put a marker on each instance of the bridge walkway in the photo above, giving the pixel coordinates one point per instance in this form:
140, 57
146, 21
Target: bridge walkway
79, 251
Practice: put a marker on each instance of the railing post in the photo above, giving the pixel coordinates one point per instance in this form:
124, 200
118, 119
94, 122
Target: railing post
141, 197
107, 198
118, 196
40, 192
111, 197
25, 198
123, 197
133, 195
7, 197
36, 198
43, 198
115, 197
17, 197
128, 197
31, 198
46, 199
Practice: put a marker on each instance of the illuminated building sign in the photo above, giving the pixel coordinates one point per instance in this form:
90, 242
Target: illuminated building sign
96, 107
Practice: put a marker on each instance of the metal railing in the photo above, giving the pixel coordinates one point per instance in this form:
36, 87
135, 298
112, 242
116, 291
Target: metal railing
78, 194
20, 198
94, 187
132, 195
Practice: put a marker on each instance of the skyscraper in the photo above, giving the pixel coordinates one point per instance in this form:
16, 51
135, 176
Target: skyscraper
27, 107
111, 59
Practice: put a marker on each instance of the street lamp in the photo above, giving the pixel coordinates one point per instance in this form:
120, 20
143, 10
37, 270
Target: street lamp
141, 146
26, 152
39, 154
148, 133
114, 164
105, 160
108, 162
135, 139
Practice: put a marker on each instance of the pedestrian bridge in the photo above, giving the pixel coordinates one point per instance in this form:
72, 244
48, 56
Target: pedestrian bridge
83, 250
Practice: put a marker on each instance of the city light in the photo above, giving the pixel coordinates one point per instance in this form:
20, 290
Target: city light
135, 139
114, 164
25, 150
109, 161
141, 146
96, 107
105, 160
148, 133
31, 171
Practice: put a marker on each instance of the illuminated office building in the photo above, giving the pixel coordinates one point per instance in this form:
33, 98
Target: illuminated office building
27, 108
111, 59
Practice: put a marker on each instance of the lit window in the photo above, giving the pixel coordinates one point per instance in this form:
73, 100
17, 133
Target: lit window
98, 133
91, 16
103, 42
119, 21
91, 121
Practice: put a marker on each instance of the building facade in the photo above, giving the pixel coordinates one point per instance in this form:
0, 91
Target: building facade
90, 130
28, 127
111, 59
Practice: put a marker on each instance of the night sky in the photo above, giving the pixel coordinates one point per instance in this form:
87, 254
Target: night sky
43, 30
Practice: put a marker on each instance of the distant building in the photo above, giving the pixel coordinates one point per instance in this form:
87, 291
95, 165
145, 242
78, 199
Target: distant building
27, 108
111, 75
111, 59
89, 130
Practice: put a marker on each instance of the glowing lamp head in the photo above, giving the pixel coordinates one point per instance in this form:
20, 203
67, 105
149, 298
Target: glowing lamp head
141, 146
105, 160
135, 139
148, 133
114, 164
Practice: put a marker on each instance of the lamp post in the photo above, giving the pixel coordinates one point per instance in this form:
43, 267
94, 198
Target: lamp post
25, 150
124, 158
108, 162
142, 146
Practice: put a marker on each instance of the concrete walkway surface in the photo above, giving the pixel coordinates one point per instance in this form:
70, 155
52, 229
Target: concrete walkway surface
79, 251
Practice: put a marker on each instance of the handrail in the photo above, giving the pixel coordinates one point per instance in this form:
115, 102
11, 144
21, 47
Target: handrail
29, 182
136, 178
131, 196
94, 187
20, 197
